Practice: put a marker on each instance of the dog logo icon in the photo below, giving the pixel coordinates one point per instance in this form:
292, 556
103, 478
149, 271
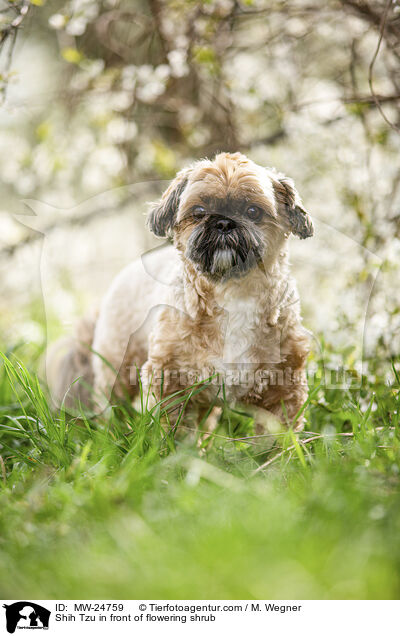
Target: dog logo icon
26, 615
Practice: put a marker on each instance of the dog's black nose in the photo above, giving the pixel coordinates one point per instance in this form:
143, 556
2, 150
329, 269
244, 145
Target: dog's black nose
225, 225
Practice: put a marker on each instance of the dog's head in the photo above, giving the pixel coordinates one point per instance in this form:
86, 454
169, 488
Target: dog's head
227, 215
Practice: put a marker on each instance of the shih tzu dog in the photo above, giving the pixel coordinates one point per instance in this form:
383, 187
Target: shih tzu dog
217, 307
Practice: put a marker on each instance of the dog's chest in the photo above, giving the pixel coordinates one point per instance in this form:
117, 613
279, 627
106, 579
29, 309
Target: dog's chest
238, 325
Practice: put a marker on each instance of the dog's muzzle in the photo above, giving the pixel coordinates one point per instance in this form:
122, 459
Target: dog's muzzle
223, 247
225, 225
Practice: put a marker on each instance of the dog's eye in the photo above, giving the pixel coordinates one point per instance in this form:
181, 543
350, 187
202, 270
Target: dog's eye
198, 211
254, 213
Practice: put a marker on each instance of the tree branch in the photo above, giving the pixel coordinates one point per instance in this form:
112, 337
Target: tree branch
9, 35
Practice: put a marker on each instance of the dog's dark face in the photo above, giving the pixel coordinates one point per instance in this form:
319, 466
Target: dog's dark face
226, 216
223, 236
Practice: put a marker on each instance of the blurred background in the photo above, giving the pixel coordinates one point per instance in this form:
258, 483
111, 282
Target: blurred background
103, 101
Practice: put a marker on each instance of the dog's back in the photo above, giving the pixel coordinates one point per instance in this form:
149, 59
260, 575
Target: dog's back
119, 329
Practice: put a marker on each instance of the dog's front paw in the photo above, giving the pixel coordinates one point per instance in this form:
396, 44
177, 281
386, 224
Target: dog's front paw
268, 428
150, 381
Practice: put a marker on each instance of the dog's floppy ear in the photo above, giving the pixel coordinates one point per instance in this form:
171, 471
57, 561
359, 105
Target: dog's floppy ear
289, 204
162, 216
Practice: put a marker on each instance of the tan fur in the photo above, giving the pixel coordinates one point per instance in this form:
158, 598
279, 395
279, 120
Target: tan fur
164, 315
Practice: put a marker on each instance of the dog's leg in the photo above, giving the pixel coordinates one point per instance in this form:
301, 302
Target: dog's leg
165, 371
283, 402
116, 366
209, 425
285, 389
107, 380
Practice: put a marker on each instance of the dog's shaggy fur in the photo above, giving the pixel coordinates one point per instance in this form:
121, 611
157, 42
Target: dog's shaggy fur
219, 301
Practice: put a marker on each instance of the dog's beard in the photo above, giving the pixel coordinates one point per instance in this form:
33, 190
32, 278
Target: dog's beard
223, 256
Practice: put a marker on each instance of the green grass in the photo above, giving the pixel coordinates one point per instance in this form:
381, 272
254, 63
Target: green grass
116, 508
